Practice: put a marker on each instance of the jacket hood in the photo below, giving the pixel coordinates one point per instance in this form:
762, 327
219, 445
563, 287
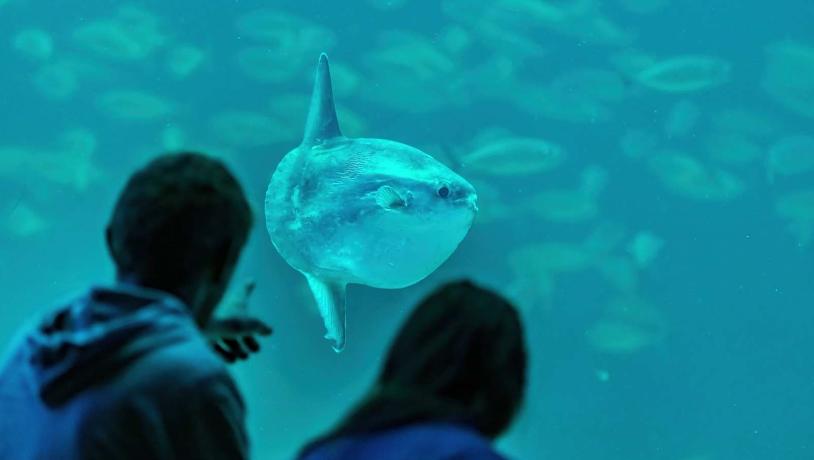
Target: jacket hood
95, 337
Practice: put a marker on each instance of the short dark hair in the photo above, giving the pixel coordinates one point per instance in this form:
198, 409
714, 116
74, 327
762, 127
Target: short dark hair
174, 215
460, 357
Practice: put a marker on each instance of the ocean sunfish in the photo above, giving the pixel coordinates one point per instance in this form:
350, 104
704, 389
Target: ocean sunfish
364, 211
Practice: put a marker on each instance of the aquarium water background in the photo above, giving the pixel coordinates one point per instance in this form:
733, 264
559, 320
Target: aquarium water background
645, 171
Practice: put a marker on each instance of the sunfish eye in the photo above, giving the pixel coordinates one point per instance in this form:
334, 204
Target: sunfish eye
443, 191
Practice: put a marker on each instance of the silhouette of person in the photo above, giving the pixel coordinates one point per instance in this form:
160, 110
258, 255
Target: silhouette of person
127, 371
452, 381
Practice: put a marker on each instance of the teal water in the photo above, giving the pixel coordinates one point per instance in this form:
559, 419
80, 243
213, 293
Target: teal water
664, 268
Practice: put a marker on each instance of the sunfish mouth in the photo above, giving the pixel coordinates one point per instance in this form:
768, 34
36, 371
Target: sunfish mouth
471, 202
463, 194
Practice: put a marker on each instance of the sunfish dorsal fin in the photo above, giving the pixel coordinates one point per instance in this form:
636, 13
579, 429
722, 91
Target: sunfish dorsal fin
322, 123
330, 299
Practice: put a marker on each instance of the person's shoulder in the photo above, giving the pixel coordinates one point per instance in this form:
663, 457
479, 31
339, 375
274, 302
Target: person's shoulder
452, 441
452, 431
179, 397
184, 375
178, 359
429, 441
476, 453
187, 361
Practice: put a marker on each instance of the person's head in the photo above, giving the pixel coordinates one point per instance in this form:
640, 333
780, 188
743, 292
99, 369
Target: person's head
463, 345
179, 226
460, 358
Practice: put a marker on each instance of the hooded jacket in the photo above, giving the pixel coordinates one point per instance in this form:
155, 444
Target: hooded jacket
120, 373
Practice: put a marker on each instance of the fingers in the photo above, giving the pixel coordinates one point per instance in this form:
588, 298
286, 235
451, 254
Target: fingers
248, 289
235, 338
232, 350
236, 348
256, 326
225, 354
251, 343
242, 305
240, 326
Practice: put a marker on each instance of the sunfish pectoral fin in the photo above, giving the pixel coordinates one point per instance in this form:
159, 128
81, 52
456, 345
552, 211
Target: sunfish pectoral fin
389, 198
322, 123
330, 298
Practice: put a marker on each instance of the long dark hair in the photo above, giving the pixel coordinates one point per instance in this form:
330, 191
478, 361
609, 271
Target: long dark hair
459, 358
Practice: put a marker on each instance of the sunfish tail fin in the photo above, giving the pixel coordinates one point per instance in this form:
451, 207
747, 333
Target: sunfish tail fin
322, 123
330, 297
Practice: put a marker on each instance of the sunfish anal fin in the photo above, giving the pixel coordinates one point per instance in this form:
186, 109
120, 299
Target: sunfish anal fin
321, 124
330, 297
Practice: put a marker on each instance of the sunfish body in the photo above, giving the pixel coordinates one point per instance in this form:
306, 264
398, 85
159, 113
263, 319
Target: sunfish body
365, 211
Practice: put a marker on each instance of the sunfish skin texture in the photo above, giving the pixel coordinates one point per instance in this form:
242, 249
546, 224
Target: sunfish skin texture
364, 211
